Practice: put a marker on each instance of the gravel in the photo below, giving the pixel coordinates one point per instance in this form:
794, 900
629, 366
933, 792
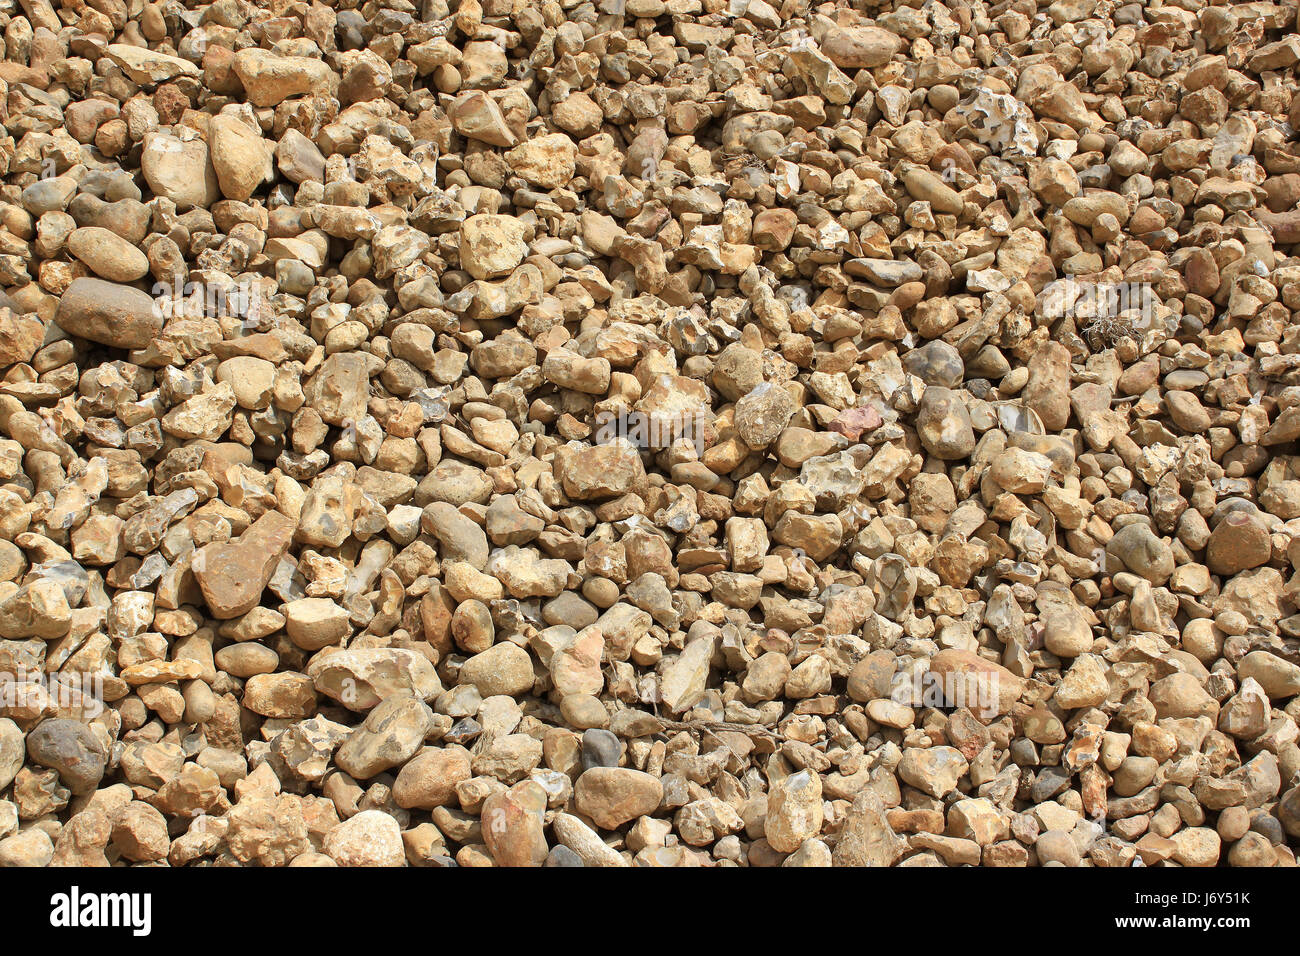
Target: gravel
685, 433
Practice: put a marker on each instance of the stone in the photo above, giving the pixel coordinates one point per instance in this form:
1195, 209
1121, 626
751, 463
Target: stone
1278, 678
934, 771
267, 831
430, 778
313, 623
1137, 548
108, 313
269, 79
361, 678
72, 749
762, 414
180, 170
241, 159
390, 735
1237, 543
585, 842
108, 255
371, 838
943, 424
233, 575
502, 669
613, 796
140, 832
513, 822
794, 811
491, 245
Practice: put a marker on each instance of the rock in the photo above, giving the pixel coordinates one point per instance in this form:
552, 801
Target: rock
992, 687
1278, 678
338, 390
590, 849
240, 157
233, 575
30, 848
1238, 543
685, 679
545, 161
313, 623
1057, 846
280, 695
180, 170
359, 679
491, 245
1196, 846
12, 748
762, 414
371, 838
1138, 549
269, 79
69, 747
600, 748
39, 609
140, 832
476, 116
1181, 695
390, 735
943, 424
268, 831
794, 811
149, 67
107, 255
118, 316
502, 669
867, 839
1065, 630
603, 471
1047, 391
936, 363
513, 823
613, 796
429, 780
934, 771
461, 538
860, 47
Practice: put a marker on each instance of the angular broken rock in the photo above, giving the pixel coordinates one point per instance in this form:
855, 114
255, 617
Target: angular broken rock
234, 574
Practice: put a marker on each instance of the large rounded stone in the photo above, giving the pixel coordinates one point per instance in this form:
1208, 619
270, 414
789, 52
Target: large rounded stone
179, 170
936, 363
1279, 678
430, 779
1238, 543
119, 316
943, 424
504, 668
371, 838
1138, 549
107, 254
71, 748
613, 796
240, 157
